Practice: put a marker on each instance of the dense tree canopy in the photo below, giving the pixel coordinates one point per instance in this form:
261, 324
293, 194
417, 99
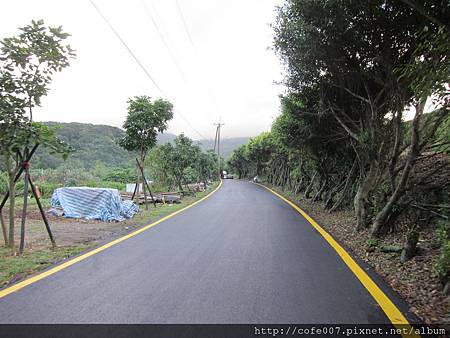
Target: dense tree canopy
353, 130
181, 162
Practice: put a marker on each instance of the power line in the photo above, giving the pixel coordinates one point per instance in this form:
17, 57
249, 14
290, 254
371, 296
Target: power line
128, 48
174, 59
166, 44
190, 125
180, 12
186, 29
140, 64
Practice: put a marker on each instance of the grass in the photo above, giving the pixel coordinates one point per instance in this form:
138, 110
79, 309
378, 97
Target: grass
46, 202
17, 267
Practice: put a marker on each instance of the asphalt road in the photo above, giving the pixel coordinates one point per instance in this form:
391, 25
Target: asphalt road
241, 256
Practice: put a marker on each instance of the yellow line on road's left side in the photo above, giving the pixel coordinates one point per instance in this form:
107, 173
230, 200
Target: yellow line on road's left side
42, 275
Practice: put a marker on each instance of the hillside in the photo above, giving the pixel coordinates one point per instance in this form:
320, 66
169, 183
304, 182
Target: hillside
92, 144
97, 143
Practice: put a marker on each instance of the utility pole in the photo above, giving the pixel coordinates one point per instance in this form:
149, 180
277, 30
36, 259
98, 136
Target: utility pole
218, 145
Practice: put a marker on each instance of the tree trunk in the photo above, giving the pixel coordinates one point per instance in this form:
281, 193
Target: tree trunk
298, 186
310, 186
349, 179
414, 151
410, 248
24, 213
141, 171
144, 190
318, 195
12, 206
362, 197
285, 182
4, 230
331, 193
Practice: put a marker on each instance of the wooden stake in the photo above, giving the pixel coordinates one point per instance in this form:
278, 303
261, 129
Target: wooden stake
24, 209
145, 182
144, 190
19, 174
5, 234
41, 209
134, 192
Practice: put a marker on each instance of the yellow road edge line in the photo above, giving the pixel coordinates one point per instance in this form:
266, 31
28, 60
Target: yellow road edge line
392, 312
42, 275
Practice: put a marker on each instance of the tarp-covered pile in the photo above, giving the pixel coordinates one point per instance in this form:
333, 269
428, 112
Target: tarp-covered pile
93, 203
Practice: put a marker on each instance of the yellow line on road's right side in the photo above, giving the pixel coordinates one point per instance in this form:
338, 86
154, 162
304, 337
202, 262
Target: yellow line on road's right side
34, 279
392, 312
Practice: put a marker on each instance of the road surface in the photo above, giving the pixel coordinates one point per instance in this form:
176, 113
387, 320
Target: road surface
240, 256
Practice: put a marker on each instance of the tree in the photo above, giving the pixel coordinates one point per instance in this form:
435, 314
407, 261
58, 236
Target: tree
144, 121
181, 162
27, 63
238, 161
428, 74
347, 54
259, 149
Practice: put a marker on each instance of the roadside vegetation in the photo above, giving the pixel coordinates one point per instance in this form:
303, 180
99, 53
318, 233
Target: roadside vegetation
364, 127
76, 236
34, 159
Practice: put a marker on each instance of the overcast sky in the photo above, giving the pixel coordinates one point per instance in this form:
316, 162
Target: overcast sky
229, 71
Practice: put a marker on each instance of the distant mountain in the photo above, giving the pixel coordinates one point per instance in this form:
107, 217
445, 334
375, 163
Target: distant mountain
98, 143
227, 145
92, 143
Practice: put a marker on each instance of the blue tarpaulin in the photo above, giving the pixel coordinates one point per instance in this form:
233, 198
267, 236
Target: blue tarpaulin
93, 203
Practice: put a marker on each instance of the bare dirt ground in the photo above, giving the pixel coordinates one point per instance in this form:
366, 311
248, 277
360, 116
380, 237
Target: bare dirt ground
68, 231
415, 280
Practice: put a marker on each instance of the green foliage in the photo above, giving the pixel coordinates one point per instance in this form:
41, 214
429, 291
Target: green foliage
32, 261
67, 176
106, 184
429, 70
98, 143
91, 144
442, 136
351, 70
182, 162
27, 64
121, 175
47, 188
372, 242
144, 121
442, 266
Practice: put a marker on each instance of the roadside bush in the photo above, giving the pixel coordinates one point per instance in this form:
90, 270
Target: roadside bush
120, 175
105, 184
47, 188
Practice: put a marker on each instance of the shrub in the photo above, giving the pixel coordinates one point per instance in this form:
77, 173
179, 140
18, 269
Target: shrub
47, 188
120, 175
105, 184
